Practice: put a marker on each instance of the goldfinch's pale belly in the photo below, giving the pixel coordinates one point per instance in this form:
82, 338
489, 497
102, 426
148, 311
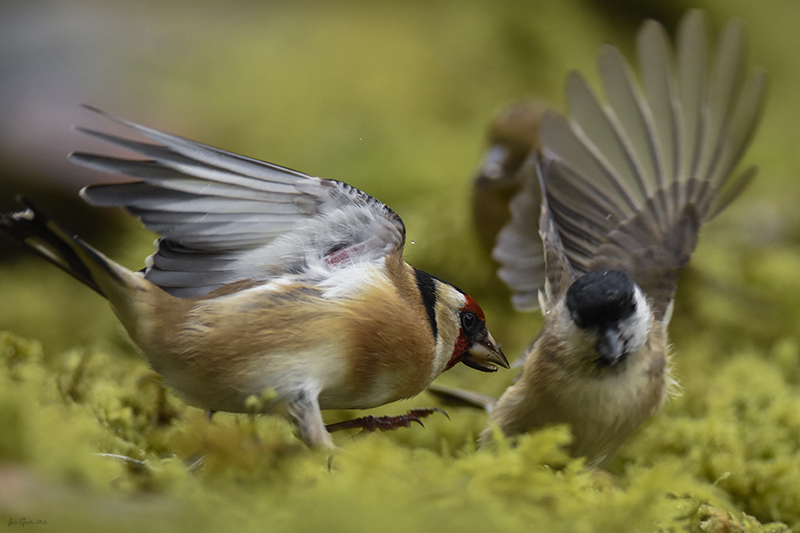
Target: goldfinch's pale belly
353, 358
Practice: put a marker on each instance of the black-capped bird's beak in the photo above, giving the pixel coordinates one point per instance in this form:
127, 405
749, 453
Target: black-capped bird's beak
485, 355
611, 347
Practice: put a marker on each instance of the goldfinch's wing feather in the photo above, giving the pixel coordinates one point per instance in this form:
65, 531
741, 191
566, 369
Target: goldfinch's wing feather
630, 182
224, 217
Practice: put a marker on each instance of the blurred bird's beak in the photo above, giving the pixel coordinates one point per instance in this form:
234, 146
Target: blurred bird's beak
492, 168
485, 355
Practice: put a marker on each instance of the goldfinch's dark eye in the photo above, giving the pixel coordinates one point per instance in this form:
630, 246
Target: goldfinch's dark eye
468, 320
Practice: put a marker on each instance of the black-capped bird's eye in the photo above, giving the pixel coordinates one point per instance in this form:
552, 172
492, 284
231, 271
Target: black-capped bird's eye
468, 320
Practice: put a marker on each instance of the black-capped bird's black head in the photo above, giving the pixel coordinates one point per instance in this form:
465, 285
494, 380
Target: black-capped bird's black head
604, 302
601, 298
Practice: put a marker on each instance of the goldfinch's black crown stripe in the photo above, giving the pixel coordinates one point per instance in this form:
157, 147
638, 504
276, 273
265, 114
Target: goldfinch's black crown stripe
427, 289
601, 298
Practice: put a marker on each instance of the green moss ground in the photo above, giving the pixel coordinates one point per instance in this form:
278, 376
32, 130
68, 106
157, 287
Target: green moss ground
90, 441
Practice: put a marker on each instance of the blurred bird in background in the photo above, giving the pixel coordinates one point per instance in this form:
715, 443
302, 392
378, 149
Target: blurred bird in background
268, 283
513, 135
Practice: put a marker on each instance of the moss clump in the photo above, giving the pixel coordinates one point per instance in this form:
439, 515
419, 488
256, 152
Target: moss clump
741, 432
109, 435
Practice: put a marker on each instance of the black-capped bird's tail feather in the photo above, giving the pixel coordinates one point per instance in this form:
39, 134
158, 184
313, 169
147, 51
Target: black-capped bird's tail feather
462, 397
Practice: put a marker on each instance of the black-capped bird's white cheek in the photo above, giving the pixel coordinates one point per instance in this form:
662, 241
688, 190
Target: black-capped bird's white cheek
635, 329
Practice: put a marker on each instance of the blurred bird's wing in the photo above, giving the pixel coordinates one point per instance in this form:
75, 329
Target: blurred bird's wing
519, 249
513, 137
630, 182
225, 218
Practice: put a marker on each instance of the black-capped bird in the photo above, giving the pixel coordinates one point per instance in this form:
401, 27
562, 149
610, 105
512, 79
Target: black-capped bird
267, 282
626, 186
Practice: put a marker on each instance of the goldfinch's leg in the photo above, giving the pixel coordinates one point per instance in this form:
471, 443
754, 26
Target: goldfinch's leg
304, 411
386, 423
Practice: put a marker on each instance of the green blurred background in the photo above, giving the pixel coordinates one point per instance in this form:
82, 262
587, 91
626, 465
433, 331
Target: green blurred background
393, 98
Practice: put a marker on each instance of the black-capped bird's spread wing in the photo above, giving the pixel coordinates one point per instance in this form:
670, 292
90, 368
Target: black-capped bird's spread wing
225, 218
629, 182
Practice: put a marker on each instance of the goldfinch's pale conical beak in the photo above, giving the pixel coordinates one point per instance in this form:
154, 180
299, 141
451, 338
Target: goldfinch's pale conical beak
485, 355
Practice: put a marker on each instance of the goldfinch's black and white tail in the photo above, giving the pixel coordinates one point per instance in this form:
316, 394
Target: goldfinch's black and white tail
32, 228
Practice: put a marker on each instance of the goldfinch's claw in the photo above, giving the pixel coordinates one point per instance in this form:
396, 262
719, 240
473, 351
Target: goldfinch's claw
386, 423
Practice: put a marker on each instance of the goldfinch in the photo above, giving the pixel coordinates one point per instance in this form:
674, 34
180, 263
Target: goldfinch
625, 187
267, 283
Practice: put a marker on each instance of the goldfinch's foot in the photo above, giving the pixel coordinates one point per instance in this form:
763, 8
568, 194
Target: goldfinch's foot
386, 423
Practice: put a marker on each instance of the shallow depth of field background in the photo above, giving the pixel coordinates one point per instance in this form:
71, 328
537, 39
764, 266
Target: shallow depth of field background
393, 99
